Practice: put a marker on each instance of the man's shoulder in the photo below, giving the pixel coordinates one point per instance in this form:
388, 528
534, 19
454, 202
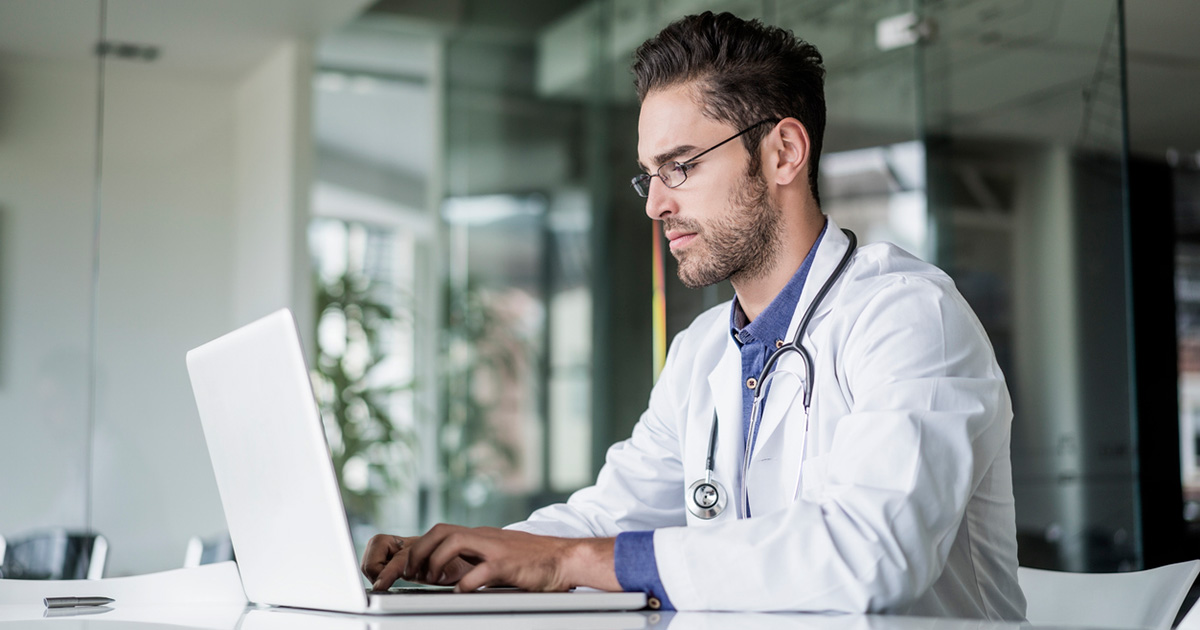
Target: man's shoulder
886, 263
883, 268
888, 288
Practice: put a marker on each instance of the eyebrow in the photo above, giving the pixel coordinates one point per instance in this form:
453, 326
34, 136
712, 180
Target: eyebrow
663, 158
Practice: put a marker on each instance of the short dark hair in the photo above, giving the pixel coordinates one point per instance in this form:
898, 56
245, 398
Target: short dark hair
746, 71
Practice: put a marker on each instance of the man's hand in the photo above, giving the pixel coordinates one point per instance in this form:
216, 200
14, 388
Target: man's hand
473, 558
386, 556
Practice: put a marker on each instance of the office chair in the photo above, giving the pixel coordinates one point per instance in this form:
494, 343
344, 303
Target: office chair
55, 554
1137, 599
208, 550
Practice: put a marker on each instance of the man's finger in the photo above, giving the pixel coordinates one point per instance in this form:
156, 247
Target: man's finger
482, 575
463, 543
419, 550
455, 569
380, 550
390, 572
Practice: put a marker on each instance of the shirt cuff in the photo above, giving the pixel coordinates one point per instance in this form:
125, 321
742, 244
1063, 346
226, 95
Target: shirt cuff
637, 570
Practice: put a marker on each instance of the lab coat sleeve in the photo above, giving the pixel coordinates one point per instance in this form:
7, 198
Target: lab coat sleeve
640, 485
928, 412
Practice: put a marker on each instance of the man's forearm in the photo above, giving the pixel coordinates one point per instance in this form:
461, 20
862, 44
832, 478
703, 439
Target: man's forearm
589, 562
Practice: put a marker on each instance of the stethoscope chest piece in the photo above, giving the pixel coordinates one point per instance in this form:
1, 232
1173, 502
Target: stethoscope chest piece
706, 498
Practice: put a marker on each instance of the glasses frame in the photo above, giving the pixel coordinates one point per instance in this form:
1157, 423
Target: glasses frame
641, 181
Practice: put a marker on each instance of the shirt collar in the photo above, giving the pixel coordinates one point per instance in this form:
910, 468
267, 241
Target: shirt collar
772, 324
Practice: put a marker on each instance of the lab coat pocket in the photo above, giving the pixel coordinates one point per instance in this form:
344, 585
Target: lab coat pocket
767, 482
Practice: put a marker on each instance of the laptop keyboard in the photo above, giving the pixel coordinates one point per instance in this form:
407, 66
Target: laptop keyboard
428, 590
413, 589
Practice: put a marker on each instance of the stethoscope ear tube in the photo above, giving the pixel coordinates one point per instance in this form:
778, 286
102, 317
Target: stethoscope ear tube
712, 445
812, 309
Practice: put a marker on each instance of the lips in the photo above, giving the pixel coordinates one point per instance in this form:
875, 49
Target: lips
679, 238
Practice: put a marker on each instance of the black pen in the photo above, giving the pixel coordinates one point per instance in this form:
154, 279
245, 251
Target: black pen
71, 602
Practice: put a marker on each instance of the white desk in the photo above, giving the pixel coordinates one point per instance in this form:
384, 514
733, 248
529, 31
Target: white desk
235, 617
211, 598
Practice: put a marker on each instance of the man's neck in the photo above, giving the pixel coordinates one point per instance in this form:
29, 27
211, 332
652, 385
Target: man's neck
755, 294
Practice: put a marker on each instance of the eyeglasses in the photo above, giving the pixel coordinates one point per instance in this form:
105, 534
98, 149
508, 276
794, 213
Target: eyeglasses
673, 174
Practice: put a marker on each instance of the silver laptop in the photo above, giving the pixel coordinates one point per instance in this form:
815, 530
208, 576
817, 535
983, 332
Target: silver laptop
280, 495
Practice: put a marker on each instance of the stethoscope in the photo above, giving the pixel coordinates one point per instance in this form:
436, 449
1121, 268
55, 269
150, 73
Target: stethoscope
707, 498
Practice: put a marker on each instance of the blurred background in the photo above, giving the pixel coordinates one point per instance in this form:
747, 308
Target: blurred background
439, 191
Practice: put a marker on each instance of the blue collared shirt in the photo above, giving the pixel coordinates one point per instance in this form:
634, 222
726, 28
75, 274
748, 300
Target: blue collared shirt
633, 556
759, 338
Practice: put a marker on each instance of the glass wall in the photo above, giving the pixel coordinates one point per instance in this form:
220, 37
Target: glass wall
373, 237
441, 196
1023, 112
1186, 185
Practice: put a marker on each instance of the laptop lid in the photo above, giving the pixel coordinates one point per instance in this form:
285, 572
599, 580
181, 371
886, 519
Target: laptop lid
274, 474
277, 484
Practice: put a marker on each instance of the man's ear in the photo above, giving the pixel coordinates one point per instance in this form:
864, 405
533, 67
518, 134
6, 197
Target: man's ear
785, 152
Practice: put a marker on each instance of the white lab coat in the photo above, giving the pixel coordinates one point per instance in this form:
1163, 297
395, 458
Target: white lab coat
898, 498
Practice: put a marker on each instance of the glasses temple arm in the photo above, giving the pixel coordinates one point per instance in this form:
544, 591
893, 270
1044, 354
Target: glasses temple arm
727, 140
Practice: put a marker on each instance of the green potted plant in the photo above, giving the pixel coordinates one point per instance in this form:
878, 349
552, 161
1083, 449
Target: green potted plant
371, 454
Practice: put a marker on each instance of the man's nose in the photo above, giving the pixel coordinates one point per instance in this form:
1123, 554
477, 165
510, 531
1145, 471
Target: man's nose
659, 202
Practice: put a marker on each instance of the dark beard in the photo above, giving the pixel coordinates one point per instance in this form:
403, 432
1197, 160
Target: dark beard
741, 245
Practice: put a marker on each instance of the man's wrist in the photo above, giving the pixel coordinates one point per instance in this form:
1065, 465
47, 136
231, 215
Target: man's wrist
589, 562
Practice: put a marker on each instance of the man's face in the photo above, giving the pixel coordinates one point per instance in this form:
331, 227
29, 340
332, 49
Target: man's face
721, 222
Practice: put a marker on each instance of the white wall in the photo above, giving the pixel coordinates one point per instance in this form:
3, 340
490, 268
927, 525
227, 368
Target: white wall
204, 198
273, 174
165, 250
47, 145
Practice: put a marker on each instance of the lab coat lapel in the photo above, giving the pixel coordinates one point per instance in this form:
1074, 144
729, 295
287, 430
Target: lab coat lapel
786, 389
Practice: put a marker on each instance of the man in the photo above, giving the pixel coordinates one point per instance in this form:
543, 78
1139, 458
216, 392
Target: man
889, 490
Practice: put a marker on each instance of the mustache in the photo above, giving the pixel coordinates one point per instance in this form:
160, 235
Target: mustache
686, 225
